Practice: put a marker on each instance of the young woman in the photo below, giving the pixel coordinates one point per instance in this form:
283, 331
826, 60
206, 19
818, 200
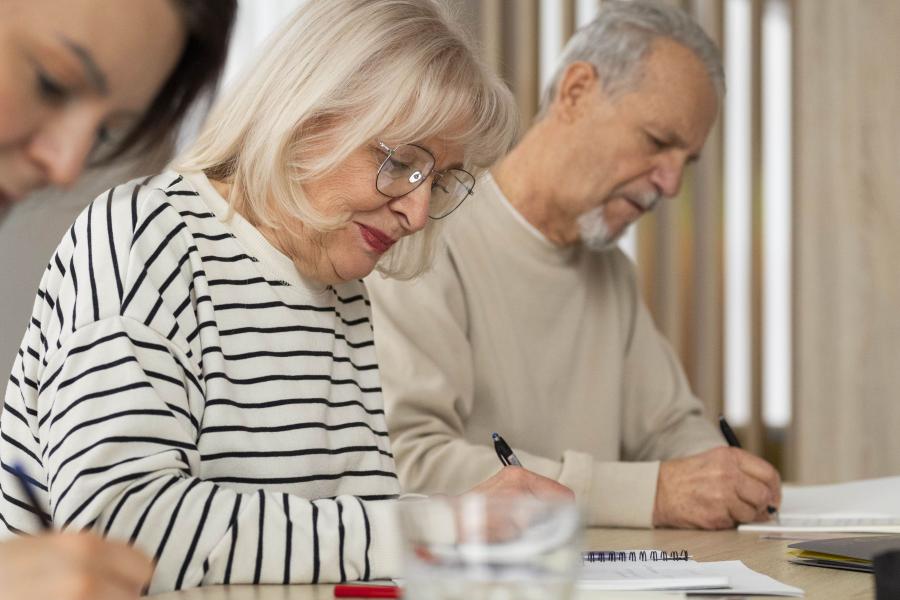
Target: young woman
199, 376
98, 75
87, 79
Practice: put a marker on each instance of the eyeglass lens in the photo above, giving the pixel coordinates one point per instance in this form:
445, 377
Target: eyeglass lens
405, 169
448, 191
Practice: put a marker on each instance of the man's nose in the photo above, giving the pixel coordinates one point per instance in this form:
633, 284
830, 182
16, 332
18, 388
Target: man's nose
669, 174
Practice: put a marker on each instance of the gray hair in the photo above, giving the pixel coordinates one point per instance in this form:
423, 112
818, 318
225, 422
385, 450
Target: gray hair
618, 39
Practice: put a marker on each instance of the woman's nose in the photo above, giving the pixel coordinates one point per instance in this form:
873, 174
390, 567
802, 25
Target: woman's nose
61, 148
413, 207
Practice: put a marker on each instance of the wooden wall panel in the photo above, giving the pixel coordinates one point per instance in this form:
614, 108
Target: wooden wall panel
705, 364
847, 216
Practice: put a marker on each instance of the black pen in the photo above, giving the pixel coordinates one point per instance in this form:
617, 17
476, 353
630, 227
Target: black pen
504, 452
28, 488
732, 440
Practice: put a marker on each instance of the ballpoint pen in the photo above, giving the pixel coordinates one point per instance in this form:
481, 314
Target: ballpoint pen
504, 452
27, 487
732, 440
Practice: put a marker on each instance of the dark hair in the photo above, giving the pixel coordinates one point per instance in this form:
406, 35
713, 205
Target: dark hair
208, 24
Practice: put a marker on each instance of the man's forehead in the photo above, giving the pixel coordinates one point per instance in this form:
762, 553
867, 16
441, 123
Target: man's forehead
675, 92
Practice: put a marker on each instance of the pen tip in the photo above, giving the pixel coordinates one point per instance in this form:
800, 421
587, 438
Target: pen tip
494, 436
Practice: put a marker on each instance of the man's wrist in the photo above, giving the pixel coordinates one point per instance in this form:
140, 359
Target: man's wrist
623, 494
660, 514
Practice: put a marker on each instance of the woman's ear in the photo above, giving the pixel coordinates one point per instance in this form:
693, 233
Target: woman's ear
576, 88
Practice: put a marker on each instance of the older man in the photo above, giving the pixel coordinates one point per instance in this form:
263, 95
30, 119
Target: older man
530, 322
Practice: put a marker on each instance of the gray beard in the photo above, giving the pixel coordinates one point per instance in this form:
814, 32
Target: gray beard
595, 233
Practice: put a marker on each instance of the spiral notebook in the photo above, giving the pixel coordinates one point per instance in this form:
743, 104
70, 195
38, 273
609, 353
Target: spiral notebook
626, 570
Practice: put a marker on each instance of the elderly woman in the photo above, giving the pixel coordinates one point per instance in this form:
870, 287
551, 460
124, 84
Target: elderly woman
199, 375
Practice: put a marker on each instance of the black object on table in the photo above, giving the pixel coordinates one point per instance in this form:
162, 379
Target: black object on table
887, 575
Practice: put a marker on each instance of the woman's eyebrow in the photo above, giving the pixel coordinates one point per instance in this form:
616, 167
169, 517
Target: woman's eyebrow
456, 165
94, 73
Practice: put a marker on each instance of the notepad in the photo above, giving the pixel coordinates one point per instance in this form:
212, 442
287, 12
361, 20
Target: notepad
686, 575
724, 577
865, 506
850, 553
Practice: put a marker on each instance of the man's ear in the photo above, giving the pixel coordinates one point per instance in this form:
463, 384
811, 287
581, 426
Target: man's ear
576, 88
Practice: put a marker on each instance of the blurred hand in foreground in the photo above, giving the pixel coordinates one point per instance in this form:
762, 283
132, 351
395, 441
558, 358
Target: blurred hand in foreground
71, 566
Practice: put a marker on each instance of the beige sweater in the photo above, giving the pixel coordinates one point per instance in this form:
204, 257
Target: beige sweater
552, 348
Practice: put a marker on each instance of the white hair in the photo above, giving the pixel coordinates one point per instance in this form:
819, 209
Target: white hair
618, 39
340, 74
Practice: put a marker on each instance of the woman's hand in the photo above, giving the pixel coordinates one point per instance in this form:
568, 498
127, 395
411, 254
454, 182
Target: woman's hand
71, 566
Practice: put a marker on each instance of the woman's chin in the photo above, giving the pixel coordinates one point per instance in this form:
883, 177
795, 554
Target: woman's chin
357, 269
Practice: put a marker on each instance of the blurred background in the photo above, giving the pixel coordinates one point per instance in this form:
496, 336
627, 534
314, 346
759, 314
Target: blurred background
775, 274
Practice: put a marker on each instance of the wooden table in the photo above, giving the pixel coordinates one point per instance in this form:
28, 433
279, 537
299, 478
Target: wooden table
764, 555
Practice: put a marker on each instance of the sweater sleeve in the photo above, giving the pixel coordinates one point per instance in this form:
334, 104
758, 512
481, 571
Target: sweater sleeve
123, 460
429, 391
429, 395
662, 418
113, 364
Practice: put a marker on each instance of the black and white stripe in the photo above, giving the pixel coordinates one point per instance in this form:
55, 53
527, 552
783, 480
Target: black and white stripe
174, 390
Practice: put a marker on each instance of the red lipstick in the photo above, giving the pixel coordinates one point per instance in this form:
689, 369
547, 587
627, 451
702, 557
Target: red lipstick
376, 239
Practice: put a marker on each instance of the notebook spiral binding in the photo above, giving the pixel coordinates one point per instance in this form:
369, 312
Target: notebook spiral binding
634, 556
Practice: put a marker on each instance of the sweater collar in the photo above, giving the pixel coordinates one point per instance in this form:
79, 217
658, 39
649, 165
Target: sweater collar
272, 262
503, 217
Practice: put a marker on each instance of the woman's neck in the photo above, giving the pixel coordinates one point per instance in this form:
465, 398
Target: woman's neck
310, 264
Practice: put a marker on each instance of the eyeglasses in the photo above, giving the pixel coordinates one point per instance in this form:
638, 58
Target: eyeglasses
407, 166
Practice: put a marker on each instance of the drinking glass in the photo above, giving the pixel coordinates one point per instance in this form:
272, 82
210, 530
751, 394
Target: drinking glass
476, 547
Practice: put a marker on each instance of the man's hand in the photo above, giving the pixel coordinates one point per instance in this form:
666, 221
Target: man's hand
71, 566
504, 520
511, 481
716, 489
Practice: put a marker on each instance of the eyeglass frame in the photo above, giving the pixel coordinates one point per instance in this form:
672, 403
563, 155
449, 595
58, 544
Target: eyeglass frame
390, 152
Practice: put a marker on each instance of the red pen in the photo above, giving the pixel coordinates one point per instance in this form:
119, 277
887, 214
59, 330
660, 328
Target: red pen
367, 590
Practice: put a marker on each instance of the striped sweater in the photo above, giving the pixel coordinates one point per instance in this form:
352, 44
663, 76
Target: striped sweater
181, 386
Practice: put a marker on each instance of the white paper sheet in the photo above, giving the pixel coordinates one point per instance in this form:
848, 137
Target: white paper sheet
600, 595
744, 581
865, 506
725, 577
